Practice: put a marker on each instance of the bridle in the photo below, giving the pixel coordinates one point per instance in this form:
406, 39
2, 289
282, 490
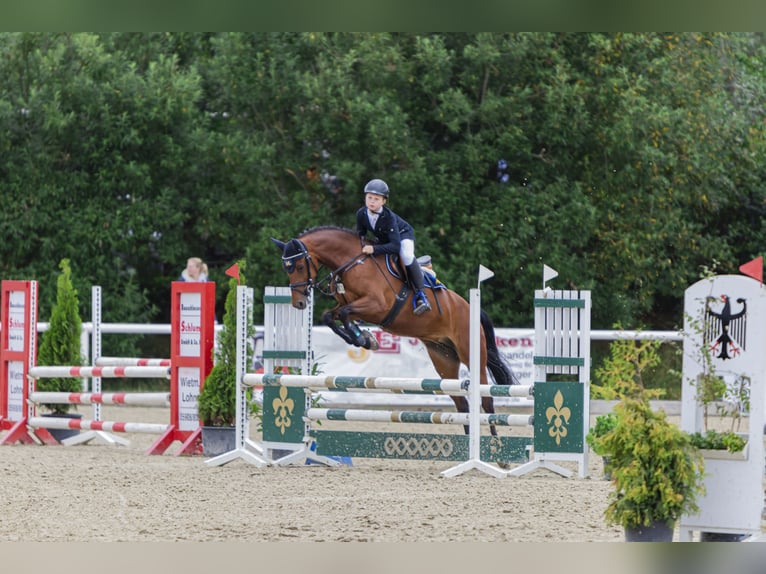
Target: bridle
290, 261
331, 281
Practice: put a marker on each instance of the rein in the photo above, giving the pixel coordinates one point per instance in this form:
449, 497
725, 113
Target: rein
385, 276
333, 283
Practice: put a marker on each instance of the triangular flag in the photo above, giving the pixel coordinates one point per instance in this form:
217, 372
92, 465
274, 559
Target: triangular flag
548, 274
753, 268
233, 272
485, 273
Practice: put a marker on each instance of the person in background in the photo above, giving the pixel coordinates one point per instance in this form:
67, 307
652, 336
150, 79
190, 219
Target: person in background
393, 234
196, 270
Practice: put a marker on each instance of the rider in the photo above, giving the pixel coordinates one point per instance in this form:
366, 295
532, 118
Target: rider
393, 234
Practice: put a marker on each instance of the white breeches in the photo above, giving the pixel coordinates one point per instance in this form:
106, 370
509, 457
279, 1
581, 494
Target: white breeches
407, 251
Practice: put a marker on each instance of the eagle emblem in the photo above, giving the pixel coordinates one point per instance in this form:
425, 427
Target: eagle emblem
725, 331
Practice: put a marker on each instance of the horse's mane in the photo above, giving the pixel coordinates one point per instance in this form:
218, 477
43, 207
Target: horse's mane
327, 228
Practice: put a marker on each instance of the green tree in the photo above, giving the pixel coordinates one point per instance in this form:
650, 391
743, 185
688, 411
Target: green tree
60, 344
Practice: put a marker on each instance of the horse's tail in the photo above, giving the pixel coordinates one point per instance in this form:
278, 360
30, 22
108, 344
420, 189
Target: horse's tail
498, 367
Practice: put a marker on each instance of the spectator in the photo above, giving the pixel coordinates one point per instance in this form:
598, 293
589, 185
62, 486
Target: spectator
196, 270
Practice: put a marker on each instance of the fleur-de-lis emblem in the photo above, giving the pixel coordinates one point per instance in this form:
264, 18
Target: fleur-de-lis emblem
560, 416
283, 408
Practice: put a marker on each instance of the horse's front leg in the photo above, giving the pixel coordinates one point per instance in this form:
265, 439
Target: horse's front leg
362, 338
328, 318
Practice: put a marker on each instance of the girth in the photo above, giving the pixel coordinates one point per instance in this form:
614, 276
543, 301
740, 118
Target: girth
401, 299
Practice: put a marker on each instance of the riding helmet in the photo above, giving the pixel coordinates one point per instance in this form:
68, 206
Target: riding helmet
376, 186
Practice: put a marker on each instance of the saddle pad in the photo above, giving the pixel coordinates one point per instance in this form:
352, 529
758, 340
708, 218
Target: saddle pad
430, 281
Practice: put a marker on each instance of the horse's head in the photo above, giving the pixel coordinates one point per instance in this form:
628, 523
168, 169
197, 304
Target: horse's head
300, 269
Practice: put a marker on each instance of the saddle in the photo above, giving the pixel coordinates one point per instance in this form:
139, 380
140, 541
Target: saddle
394, 266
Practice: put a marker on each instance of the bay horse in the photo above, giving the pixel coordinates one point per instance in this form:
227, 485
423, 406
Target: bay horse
366, 289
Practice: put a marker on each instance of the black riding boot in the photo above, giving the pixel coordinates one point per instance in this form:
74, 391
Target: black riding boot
420, 305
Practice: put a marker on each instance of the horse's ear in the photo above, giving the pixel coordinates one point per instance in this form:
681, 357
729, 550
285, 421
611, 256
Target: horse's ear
279, 244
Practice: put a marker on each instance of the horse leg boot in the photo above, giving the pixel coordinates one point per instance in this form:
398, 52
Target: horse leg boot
420, 304
329, 320
355, 335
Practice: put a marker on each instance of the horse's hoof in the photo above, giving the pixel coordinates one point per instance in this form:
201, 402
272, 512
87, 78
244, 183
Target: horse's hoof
504, 465
372, 342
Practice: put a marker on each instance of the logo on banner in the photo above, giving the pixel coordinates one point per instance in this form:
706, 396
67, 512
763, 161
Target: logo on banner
16, 322
358, 354
190, 325
725, 328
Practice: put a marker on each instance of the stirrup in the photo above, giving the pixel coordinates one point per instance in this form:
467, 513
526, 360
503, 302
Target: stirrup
421, 304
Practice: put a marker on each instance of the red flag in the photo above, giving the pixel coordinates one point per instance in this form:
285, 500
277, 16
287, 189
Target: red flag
753, 268
233, 271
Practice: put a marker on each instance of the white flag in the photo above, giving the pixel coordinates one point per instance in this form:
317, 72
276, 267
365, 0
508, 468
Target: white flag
548, 274
485, 273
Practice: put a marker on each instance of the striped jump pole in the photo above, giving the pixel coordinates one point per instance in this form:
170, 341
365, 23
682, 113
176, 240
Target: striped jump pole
105, 372
418, 417
131, 399
393, 384
38, 424
107, 426
130, 362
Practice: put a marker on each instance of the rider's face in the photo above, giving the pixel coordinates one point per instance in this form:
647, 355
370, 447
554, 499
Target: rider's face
373, 201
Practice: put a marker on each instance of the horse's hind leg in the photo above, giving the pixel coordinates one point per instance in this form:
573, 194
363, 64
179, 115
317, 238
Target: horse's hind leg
447, 365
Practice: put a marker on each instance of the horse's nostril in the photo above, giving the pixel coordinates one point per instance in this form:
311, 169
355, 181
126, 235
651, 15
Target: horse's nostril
300, 305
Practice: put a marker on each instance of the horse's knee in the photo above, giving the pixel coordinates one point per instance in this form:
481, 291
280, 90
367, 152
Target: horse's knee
328, 318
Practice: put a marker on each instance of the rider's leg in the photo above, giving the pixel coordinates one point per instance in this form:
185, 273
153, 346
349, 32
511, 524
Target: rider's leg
407, 253
416, 278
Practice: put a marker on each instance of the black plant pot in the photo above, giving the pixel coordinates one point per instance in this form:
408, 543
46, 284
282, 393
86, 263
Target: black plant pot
657, 532
607, 468
63, 434
218, 440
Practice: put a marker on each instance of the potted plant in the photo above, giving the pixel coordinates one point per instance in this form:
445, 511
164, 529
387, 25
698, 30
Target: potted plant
60, 346
619, 376
656, 471
217, 401
719, 444
728, 403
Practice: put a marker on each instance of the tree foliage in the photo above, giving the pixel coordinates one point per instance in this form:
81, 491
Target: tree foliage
624, 161
60, 344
